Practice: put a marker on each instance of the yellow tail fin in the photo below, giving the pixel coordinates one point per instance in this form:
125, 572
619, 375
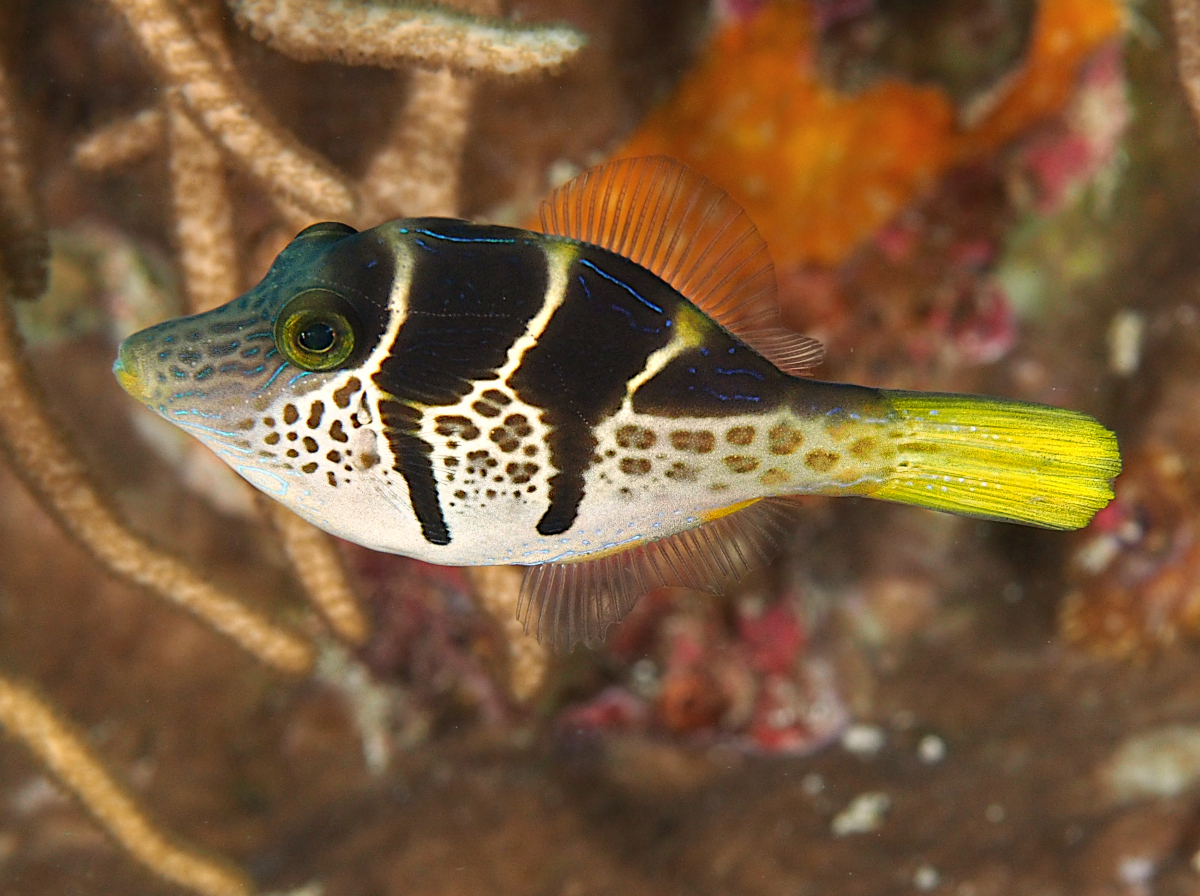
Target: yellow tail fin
1004, 460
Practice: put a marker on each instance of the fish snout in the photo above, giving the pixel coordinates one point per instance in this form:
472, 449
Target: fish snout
130, 368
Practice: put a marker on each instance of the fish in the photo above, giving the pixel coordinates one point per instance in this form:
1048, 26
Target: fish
611, 402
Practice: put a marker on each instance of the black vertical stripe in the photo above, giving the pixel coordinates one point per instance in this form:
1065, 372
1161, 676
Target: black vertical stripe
614, 316
474, 290
413, 461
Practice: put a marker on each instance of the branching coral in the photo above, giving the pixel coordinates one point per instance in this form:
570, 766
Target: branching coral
64, 753
389, 35
23, 248
211, 124
210, 119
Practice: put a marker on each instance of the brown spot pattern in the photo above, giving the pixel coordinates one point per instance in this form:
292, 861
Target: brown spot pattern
774, 476
310, 467
821, 460
698, 441
682, 472
272, 438
290, 414
636, 437
456, 425
315, 413
741, 463
740, 435
784, 439
635, 466
310, 445
343, 395
508, 436
864, 447
337, 433
521, 472
518, 424
486, 409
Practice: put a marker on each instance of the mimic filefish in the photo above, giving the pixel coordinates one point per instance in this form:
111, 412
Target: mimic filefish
610, 402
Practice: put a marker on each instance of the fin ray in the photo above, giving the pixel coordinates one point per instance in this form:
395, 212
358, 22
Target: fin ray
663, 216
565, 603
999, 459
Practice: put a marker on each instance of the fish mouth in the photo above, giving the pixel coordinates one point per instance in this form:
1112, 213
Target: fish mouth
130, 372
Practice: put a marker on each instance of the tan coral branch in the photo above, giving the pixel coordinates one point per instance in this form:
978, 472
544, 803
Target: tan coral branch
417, 172
63, 751
122, 142
224, 107
392, 34
318, 566
497, 588
203, 214
54, 473
24, 252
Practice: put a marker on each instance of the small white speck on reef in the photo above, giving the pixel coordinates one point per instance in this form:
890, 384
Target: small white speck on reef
863, 740
931, 749
926, 878
1125, 342
864, 814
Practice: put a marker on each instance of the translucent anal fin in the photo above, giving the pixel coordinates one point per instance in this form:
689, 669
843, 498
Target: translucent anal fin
565, 603
659, 213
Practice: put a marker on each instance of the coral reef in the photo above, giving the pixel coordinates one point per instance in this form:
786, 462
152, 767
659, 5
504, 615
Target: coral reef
820, 171
983, 195
207, 117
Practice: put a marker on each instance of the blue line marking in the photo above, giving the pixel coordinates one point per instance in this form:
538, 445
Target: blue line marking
633, 321
625, 286
735, 371
299, 376
716, 394
458, 239
267, 384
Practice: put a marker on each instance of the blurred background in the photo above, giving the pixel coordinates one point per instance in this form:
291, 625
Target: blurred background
997, 196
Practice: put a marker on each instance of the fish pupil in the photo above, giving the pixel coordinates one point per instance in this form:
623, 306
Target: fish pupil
317, 337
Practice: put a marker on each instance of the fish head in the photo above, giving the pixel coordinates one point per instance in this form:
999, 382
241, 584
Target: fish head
275, 381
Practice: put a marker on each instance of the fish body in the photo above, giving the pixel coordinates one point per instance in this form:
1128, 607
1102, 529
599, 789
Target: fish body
473, 394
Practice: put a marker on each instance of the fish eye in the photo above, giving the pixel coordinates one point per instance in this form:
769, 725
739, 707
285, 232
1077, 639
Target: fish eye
317, 330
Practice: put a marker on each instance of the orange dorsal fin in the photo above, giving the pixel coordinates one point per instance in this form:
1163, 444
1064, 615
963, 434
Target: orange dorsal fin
565, 603
682, 227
